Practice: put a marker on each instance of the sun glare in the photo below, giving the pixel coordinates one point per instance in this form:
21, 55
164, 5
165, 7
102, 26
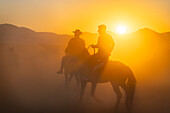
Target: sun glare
121, 29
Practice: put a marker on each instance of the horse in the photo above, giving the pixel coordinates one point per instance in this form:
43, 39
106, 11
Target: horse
115, 72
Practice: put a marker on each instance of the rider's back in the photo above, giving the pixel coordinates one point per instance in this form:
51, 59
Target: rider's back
75, 46
105, 43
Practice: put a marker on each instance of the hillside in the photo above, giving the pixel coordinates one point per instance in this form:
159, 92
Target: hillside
21, 35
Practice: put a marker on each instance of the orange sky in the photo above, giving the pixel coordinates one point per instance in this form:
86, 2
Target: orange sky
63, 16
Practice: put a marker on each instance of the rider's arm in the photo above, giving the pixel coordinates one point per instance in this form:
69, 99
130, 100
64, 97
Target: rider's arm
94, 46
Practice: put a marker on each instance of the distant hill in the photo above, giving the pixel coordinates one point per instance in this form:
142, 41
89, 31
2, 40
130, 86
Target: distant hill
13, 34
142, 40
20, 35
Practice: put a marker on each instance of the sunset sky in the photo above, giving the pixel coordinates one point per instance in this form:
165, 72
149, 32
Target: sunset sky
63, 16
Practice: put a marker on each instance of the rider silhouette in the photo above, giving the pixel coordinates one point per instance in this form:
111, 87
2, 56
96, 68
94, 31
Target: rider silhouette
76, 47
105, 46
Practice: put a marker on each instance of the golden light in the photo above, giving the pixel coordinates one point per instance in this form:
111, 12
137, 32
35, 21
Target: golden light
121, 29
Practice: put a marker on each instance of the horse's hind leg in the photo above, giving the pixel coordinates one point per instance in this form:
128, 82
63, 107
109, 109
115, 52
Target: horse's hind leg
118, 93
127, 92
83, 86
129, 97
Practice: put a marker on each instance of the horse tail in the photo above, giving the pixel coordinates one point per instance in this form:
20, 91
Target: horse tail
131, 85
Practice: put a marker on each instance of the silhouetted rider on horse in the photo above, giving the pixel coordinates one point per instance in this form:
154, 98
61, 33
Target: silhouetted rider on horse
105, 46
75, 48
90, 68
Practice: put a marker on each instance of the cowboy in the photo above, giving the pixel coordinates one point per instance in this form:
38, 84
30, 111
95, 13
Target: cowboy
76, 47
105, 46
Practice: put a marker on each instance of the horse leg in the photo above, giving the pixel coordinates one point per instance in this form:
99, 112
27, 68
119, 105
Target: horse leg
118, 93
93, 89
125, 88
69, 79
129, 90
77, 88
66, 80
83, 86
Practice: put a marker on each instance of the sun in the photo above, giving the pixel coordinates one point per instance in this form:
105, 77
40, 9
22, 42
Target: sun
121, 29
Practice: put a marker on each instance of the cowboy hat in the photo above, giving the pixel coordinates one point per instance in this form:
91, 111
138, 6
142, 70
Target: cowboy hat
77, 31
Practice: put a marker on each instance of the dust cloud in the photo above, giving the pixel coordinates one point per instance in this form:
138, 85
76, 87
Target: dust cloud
29, 82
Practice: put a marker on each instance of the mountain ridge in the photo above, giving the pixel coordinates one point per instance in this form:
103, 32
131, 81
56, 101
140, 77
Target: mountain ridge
10, 33
146, 29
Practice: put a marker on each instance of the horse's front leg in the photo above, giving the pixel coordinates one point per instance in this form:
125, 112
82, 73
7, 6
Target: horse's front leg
93, 89
66, 80
83, 86
70, 78
77, 88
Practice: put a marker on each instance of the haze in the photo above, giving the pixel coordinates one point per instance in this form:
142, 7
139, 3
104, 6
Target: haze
63, 16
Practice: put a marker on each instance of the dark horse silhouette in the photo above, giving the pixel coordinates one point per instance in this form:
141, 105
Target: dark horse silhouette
115, 72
